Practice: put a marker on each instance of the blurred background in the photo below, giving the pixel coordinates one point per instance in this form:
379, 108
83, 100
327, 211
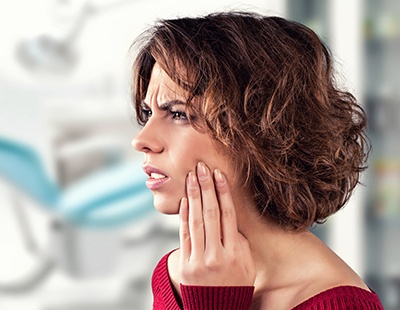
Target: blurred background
77, 230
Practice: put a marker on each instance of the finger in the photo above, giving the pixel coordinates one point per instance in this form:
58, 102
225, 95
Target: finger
184, 233
229, 228
196, 225
211, 216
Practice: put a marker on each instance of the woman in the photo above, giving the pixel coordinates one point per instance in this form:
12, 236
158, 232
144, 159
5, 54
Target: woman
247, 137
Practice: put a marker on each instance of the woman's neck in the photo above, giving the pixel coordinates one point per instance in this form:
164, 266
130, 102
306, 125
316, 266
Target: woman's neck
277, 253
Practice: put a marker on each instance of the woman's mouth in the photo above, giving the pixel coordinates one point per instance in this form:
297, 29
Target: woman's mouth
156, 178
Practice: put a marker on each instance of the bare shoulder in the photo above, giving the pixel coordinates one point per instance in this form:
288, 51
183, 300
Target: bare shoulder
328, 271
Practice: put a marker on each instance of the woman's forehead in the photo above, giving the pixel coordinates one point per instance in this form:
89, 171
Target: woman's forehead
162, 88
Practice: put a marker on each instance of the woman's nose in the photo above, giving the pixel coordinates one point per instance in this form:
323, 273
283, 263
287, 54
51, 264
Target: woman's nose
148, 139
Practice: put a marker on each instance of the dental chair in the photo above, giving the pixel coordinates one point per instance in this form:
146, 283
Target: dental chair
86, 216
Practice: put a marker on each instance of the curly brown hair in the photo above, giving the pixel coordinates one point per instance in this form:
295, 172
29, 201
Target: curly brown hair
263, 88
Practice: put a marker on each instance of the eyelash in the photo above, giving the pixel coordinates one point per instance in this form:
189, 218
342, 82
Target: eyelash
145, 114
176, 115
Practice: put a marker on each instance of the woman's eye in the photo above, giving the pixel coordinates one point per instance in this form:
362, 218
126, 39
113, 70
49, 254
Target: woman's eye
179, 115
146, 114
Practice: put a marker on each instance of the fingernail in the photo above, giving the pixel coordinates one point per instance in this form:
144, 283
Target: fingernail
219, 178
201, 170
192, 179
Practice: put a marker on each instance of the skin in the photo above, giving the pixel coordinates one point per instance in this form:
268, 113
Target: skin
170, 144
220, 230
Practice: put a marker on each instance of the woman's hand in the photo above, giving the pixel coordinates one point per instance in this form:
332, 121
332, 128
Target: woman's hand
213, 252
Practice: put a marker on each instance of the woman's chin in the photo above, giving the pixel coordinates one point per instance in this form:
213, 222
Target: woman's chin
166, 206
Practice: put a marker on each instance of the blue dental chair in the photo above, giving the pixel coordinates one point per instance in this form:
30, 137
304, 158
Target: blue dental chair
112, 197
105, 200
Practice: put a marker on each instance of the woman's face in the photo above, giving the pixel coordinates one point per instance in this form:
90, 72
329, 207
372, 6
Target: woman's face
171, 146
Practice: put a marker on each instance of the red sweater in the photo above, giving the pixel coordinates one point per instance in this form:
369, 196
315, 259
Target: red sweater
239, 298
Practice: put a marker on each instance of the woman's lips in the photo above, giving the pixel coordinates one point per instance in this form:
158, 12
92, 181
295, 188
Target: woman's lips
156, 178
154, 184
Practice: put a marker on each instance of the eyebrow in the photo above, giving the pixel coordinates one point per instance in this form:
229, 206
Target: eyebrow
166, 105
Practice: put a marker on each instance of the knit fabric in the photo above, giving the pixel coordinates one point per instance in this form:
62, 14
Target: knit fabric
342, 297
216, 297
239, 297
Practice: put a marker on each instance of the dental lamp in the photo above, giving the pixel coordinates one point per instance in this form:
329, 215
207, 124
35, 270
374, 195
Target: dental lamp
56, 54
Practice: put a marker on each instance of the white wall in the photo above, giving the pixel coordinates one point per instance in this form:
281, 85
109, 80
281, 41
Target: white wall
38, 108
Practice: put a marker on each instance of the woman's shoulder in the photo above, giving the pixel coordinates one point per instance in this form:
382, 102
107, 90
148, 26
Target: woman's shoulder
173, 271
325, 275
339, 285
164, 295
342, 296
166, 267
160, 273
